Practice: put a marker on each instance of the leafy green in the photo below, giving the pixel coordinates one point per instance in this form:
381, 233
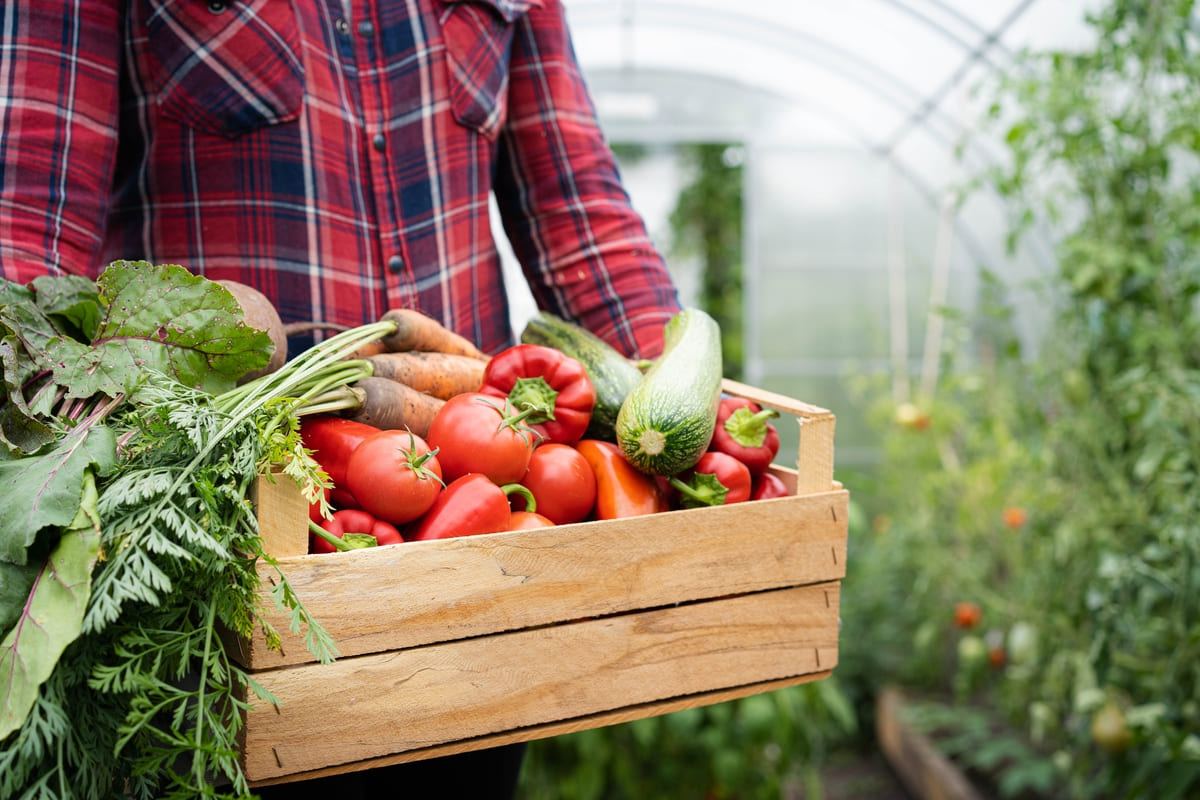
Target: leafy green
53, 615
167, 320
44, 490
72, 299
117, 678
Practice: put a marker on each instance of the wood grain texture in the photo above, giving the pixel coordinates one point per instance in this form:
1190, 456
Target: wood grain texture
282, 515
556, 728
417, 593
378, 705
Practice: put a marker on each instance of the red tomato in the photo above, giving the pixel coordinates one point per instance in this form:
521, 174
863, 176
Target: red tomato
562, 482
526, 520
394, 475
476, 433
967, 615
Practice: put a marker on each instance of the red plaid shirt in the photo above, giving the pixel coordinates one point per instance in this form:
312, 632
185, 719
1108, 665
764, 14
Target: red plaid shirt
336, 154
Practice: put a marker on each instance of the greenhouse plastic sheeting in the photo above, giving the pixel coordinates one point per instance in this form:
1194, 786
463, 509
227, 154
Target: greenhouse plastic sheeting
846, 116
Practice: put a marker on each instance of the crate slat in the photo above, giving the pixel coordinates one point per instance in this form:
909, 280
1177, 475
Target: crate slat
382, 704
416, 593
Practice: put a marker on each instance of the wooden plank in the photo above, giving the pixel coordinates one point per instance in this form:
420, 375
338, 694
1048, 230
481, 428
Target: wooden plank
557, 728
383, 704
282, 515
416, 593
925, 772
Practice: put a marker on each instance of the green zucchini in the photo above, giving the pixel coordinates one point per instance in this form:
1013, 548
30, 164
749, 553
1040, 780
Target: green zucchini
613, 375
667, 421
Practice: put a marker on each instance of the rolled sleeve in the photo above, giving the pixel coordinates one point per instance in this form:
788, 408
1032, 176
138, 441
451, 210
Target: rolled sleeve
585, 250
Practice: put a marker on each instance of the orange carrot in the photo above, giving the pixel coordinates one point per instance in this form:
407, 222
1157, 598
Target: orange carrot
442, 375
371, 348
416, 331
389, 404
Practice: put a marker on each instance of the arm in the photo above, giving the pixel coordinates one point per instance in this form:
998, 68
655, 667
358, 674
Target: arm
584, 249
59, 68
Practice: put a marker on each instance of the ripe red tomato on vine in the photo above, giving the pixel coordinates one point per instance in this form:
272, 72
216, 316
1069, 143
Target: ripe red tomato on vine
967, 615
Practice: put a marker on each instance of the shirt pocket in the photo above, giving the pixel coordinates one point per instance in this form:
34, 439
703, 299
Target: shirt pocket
226, 67
478, 37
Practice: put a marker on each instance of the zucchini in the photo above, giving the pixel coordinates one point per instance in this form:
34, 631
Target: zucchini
613, 375
667, 421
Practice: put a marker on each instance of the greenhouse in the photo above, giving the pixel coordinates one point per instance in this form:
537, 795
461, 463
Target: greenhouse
854, 128
600, 399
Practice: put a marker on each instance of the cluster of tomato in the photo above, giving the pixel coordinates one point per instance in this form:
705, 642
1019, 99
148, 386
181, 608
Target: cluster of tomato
516, 454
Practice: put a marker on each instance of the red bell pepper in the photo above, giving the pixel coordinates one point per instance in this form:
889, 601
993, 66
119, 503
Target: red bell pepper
469, 505
767, 486
332, 439
358, 521
554, 385
744, 432
352, 529
717, 479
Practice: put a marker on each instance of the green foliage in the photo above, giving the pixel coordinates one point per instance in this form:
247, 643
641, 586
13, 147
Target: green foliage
749, 748
1094, 594
130, 483
707, 223
986, 747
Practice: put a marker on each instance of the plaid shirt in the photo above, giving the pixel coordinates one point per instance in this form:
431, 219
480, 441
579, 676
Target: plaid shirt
337, 154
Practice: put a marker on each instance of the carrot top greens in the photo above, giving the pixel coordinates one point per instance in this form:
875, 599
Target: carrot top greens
127, 539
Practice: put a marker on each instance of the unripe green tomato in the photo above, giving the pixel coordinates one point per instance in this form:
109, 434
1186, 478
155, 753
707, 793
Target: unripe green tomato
1075, 387
1022, 643
1109, 730
971, 650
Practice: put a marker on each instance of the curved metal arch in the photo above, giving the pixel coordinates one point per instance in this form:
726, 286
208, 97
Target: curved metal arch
877, 82
913, 105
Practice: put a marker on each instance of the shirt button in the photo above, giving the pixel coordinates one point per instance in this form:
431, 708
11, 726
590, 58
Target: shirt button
366, 28
216, 6
343, 27
395, 264
378, 142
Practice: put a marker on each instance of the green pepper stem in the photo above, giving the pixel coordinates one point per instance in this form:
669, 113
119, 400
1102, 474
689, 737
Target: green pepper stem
706, 491
320, 532
747, 428
510, 489
536, 394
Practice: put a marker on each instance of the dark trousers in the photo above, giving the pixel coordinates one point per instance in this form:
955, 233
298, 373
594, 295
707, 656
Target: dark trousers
479, 775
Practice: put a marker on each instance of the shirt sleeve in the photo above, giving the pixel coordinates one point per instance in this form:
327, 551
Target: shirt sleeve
584, 249
59, 70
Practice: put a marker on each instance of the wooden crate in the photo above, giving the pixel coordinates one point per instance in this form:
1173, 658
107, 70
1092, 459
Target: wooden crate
455, 645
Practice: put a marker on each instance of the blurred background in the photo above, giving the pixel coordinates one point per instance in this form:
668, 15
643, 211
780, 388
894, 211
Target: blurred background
970, 230
835, 138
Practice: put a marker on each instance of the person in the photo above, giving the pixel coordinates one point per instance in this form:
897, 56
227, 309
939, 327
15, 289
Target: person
339, 156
